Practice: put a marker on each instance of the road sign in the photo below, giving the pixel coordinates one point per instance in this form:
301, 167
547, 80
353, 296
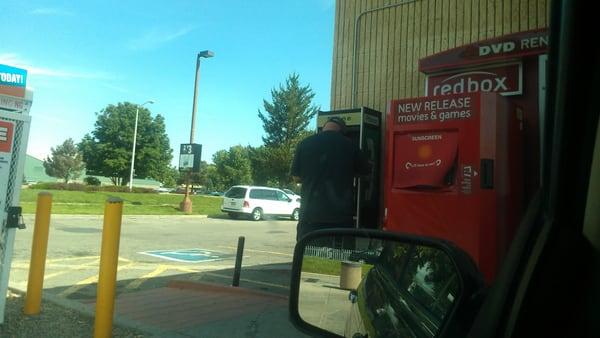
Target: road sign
187, 255
190, 155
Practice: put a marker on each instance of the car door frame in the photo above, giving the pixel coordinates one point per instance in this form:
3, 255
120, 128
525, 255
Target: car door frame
549, 247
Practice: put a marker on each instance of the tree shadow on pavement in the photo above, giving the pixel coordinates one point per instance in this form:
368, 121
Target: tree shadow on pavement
271, 278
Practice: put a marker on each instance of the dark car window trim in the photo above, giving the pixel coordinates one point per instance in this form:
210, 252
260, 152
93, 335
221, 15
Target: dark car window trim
548, 245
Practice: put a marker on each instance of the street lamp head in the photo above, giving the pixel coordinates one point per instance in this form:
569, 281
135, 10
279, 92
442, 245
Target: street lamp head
206, 54
148, 102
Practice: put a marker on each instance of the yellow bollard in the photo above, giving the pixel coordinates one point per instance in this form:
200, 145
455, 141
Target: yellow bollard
109, 258
39, 246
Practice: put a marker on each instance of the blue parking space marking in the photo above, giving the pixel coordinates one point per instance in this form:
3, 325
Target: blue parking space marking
187, 255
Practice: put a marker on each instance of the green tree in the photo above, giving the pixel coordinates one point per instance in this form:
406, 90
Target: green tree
260, 163
198, 179
107, 149
65, 161
170, 177
285, 122
232, 166
214, 181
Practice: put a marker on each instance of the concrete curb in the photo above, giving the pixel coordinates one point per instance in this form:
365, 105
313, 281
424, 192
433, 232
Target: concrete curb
89, 311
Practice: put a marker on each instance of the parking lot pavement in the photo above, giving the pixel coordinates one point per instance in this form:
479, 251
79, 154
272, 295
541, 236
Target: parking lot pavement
155, 250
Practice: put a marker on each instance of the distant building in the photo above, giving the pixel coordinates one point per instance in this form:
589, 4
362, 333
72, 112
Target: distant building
35, 172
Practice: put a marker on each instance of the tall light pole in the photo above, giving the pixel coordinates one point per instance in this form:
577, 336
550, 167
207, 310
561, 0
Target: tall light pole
202, 54
186, 204
137, 110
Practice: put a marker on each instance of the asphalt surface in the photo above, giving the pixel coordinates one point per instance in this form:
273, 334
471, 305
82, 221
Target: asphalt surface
153, 252
157, 250
73, 255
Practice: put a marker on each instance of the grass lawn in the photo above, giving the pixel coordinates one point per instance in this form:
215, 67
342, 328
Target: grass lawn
92, 203
327, 266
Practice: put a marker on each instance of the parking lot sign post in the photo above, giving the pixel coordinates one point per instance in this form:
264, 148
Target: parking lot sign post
190, 155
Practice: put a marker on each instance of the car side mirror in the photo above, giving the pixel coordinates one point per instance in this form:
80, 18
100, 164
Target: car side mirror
370, 283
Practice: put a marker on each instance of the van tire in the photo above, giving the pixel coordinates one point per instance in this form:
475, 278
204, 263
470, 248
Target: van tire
257, 214
295, 214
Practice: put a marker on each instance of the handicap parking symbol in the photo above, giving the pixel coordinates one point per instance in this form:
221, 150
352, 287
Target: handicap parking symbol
187, 255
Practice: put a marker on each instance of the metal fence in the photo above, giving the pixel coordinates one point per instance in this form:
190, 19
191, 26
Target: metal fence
339, 254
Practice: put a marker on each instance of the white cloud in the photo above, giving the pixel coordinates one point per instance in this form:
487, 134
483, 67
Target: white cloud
155, 38
51, 12
13, 59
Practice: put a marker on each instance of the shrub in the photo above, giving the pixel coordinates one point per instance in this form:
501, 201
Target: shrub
88, 187
124, 188
91, 180
144, 190
58, 186
115, 188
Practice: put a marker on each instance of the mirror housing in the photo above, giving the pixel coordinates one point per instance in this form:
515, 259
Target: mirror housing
461, 312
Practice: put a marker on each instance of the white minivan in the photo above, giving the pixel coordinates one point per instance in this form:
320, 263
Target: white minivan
257, 201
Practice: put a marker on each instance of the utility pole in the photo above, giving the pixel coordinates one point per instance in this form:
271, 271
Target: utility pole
186, 204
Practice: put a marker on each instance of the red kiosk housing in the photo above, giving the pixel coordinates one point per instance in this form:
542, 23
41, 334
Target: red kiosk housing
454, 171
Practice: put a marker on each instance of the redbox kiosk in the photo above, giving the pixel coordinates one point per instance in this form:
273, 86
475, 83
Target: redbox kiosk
513, 65
454, 171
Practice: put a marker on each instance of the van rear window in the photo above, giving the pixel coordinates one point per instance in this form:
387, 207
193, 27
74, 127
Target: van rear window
236, 192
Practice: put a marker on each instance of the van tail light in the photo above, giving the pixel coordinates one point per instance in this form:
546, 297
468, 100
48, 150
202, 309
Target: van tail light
246, 204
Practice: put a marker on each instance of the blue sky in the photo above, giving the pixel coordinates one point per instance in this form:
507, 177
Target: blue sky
82, 56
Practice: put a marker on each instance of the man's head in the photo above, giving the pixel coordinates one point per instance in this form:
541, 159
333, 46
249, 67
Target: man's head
335, 124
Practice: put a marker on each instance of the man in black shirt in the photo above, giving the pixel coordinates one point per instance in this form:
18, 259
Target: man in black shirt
326, 164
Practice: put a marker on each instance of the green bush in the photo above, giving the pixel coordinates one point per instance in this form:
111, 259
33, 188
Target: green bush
124, 188
91, 180
59, 186
84, 187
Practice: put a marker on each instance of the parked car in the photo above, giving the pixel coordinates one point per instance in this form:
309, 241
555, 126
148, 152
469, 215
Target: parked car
163, 190
179, 190
292, 194
216, 193
256, 202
